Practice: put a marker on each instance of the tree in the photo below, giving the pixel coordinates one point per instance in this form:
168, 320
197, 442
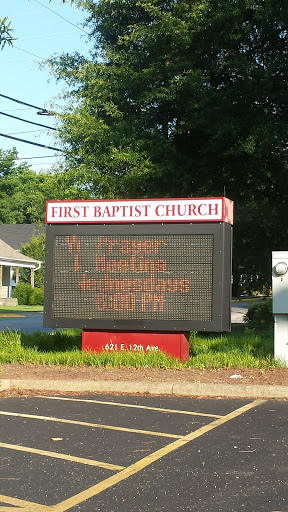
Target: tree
23, 192
186, 98
35, 249
121, 134
182, 86
21, 200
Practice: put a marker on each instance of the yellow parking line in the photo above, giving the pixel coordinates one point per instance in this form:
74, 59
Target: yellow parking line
19, 509
22, 505
63, 456
117, 404
11, 316
146, 461
93, 425
12, 509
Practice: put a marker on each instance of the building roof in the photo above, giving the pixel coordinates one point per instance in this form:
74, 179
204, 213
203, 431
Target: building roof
10, 257
17, 235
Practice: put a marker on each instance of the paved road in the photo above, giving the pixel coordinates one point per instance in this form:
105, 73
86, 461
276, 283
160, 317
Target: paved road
29, 323
239, 309
142, 454
34, 321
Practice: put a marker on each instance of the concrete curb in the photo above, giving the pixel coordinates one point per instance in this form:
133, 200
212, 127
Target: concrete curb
5, 384
153, 388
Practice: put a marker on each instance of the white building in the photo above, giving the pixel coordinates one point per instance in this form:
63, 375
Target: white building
10, 263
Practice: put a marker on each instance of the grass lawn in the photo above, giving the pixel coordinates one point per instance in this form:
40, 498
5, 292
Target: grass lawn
19, 309
242, 348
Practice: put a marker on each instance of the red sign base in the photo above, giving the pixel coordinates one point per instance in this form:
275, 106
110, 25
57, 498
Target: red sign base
173, 344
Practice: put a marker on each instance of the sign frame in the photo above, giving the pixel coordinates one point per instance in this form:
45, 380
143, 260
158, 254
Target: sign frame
200, 209
221, 289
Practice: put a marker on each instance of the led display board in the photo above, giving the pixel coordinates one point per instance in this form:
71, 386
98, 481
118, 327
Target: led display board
135, 277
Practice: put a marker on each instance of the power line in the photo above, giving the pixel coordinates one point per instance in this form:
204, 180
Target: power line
25, 121
22, 102
26, 131
29, 142
47, 35
4, 160
79, 28
29, 53
43, 163
40, 164
34, 157
28, 158
18, 60
16, 109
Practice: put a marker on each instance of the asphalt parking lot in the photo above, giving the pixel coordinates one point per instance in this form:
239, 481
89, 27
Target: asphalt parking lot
142, 453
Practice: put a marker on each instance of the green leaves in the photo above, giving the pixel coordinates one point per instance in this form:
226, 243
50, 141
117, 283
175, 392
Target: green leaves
123, 117
5, 33
23, 192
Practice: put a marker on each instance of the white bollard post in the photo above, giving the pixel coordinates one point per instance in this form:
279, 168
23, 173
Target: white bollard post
280, 304
281, 337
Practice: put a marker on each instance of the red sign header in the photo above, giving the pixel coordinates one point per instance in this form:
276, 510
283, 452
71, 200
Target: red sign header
209, 209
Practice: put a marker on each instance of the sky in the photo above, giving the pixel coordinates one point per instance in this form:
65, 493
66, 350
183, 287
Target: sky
40, 33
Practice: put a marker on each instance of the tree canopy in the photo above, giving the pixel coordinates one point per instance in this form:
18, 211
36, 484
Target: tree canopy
179, 97
23, 192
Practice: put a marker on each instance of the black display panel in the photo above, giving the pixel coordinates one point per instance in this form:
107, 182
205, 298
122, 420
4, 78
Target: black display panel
138, 277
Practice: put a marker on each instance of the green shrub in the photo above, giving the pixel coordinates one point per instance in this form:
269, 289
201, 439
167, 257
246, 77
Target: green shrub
37, 297
27, 295
23, 292
260, 314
